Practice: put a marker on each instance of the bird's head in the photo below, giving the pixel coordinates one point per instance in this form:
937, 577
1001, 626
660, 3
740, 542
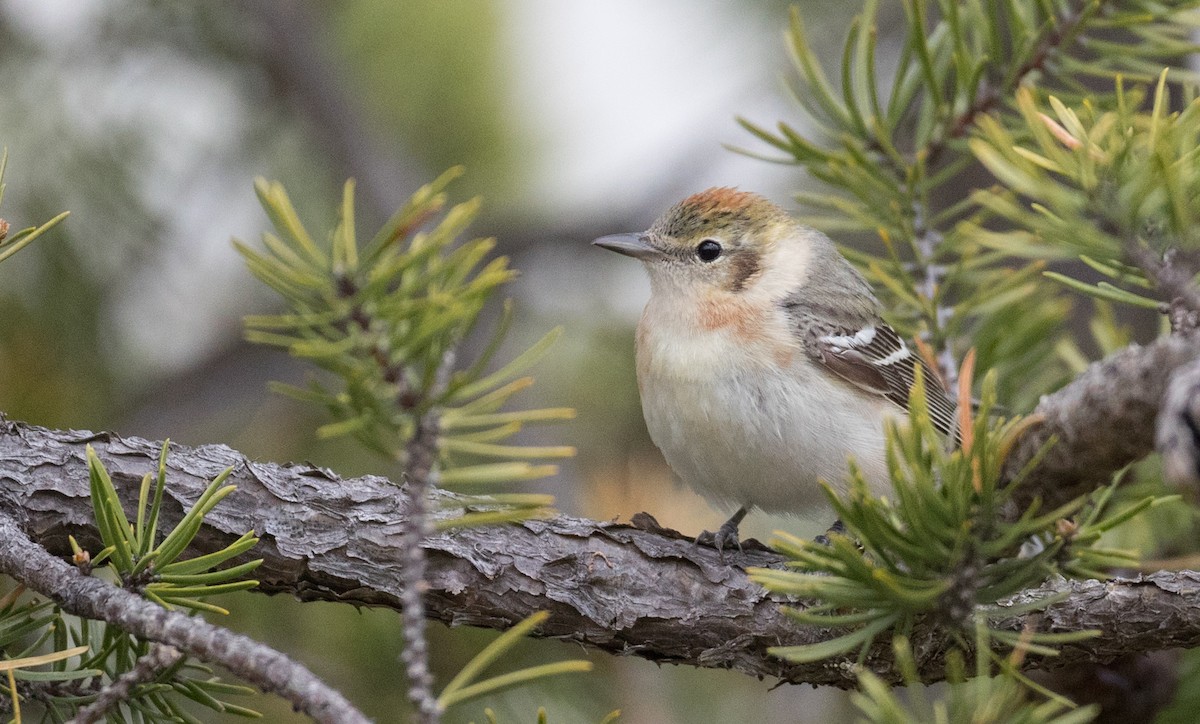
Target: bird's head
719, 240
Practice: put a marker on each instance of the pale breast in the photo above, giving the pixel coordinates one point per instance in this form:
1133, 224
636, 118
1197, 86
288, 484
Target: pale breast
749, 423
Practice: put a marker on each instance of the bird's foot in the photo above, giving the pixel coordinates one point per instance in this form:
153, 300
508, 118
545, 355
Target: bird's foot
726, 536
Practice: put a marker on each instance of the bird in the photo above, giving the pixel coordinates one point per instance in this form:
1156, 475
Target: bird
763, 360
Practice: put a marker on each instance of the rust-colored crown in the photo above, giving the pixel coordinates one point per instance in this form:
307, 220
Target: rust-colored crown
716, 209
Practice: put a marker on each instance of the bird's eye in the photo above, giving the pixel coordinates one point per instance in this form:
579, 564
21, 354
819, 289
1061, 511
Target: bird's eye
708, 250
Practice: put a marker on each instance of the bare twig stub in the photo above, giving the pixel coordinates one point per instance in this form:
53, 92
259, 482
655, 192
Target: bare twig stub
1178, 436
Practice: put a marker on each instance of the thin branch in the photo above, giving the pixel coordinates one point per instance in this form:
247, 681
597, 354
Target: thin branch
421, 456
95, 599
928, 240
144, 671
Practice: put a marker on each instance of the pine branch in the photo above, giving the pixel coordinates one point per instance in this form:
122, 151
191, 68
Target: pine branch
619, 588
625, 589
95, 599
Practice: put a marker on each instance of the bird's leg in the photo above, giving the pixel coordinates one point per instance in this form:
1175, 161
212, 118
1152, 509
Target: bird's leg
726, 536
838, 528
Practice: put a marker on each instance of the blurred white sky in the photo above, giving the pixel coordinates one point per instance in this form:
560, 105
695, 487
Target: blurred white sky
630, 97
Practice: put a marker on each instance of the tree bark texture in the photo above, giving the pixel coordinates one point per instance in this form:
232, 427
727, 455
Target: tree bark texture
1102, 421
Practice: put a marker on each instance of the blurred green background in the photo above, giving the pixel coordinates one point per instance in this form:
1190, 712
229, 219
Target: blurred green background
149, 121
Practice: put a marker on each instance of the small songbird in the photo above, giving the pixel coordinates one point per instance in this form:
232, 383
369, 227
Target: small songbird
762, 360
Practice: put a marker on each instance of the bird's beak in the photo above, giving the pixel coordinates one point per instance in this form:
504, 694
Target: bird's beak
635, 245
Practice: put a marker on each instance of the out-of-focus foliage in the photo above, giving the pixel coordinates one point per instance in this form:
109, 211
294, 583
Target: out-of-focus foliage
38, 370
981, 698
454, 88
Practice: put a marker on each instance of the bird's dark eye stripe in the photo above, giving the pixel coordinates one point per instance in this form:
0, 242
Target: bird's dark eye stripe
708, 250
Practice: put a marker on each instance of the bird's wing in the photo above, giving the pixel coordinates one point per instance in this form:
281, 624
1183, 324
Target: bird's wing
876, 360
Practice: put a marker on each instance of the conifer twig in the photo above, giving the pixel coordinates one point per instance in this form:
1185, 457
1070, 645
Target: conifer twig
992, 94
421, 453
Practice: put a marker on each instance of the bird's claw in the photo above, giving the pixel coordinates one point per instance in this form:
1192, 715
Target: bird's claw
726, 536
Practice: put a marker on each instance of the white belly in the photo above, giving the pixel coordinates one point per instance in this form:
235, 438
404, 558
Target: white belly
749, 433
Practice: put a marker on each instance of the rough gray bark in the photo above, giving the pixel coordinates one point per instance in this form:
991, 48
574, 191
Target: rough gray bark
631, 589
1102, 421
1178, 435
